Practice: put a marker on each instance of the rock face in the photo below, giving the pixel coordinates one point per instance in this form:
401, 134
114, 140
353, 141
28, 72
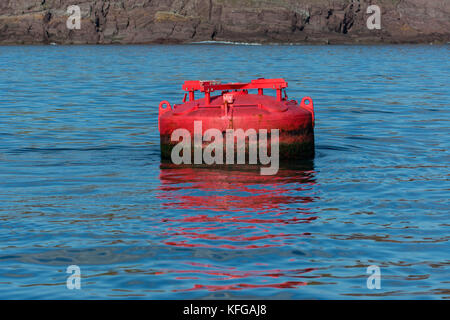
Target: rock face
266, 21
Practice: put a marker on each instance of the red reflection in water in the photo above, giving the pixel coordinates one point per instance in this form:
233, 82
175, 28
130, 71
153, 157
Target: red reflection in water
234, 190
223, 246
242, 194
225, 209
196, 235
234, 274
240, 286
231, 273
205, 218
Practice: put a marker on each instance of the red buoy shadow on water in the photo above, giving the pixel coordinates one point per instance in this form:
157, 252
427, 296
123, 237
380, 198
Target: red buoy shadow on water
237, 115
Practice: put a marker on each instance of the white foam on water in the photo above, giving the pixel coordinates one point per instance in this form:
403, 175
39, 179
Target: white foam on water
227, 43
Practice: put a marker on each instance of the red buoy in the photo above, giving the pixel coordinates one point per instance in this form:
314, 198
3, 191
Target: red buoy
235, 108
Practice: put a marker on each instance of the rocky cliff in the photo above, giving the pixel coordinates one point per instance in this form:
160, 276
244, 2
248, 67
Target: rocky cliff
268, 21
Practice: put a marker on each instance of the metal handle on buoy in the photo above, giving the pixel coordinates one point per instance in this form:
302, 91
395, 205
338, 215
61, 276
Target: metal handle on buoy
309, 106
163, 110
210, 86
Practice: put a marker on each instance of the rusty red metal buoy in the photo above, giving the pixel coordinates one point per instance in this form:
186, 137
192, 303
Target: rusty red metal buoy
235, 108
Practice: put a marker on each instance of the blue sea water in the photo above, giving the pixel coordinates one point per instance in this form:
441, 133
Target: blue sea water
81, 180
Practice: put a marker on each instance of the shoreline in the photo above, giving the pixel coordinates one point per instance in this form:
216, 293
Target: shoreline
275, 22
228, 43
